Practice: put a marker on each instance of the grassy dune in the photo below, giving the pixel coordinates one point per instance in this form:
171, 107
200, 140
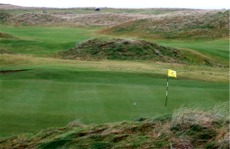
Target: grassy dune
210, 25
91, 10
126, 49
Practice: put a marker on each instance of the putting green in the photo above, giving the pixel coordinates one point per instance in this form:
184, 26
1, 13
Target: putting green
51, 97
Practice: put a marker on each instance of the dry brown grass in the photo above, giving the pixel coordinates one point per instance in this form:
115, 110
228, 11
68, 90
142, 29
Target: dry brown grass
91, 19
178, 25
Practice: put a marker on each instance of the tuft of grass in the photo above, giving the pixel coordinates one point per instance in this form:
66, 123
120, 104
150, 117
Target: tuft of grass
202, 126
150, 133
185, 117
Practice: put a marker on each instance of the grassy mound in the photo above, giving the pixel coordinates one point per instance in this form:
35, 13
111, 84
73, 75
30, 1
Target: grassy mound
185, 128
210, 25
34, 19
124, 49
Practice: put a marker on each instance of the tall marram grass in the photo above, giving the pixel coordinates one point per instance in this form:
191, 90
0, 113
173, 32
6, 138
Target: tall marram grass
197, 116
198, 126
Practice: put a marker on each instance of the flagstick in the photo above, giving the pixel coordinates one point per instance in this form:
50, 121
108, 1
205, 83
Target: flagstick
167, 91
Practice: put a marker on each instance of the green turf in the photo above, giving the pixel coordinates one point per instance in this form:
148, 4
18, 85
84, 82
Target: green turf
218, 49
51, 96
43, 41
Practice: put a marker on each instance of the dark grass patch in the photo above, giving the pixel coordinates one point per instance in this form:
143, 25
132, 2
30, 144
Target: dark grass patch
119, 138
54, 144
13, 71
5, 35
196, 133
5, 51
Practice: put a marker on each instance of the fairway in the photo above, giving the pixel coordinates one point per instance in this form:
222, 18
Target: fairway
50, 97
43, 41
218, 49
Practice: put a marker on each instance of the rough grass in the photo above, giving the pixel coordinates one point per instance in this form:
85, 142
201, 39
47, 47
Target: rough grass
92, 19
82, 16
9, 9
210, 25
124, 49
199, 127
177, 131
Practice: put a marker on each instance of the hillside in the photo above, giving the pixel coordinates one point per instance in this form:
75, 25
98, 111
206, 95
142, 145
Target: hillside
13, 9
185, 128
91, 19
17, 15
196, 25
127, 49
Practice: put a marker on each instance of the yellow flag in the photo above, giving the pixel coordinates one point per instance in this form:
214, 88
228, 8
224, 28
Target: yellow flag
171, 73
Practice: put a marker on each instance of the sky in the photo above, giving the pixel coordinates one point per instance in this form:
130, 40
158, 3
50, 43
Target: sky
197, 4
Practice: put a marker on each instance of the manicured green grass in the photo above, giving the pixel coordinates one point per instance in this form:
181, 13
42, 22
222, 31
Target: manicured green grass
43, 41
218, 49
51, 96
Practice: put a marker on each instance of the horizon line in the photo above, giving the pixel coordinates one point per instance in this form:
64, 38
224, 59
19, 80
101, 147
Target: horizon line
55, 7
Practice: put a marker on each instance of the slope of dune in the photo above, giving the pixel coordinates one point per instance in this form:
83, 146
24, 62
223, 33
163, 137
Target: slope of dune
210, 25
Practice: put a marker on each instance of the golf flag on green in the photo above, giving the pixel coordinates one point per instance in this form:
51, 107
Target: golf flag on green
171, 73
